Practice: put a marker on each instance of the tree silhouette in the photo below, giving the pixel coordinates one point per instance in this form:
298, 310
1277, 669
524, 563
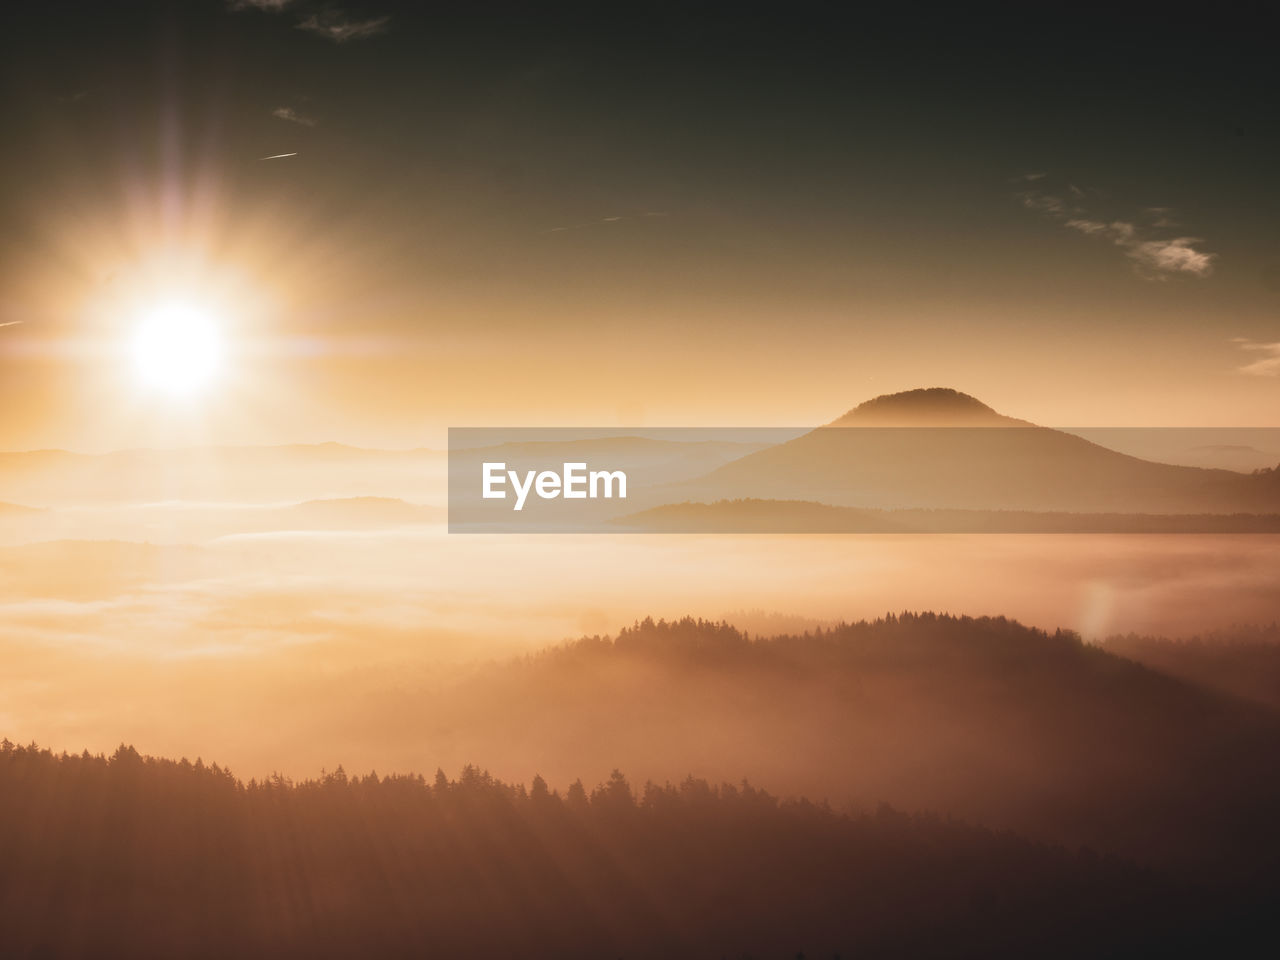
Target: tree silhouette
137, 856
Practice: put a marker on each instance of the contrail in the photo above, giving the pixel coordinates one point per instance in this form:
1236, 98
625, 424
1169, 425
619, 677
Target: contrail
277, 156
10, 323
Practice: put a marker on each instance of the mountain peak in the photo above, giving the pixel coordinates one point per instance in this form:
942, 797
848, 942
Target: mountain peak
925, 407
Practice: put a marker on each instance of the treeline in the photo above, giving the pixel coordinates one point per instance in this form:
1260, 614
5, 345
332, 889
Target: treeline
1243, 661
135, 856
982, 718
902, 635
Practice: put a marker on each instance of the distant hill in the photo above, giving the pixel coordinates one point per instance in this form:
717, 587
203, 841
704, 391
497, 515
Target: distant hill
1242, 661
983, 719
800, 516
1240, 449
351, 512
936, 449
17, 510
291, 473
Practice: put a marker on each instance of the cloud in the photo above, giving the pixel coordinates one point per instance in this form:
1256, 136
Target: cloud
334, 25
1089, 227
613, 219
331, 23
1155, 257
1173, 256
288, 113
273, 6
1267, 365
1044, 203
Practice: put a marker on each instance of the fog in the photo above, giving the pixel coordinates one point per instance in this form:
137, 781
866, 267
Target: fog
250, 648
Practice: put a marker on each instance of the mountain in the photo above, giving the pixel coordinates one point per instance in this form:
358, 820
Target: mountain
16, 510
1242, 661
927, 407
1242, 449
353, 513
802, 516
250, 474
935, 448
983, 719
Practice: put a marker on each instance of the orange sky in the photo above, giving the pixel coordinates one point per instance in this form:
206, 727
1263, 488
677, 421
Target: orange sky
508, 231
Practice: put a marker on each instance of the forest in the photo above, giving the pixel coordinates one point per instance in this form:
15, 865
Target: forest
130, 855
930, 785
984, 719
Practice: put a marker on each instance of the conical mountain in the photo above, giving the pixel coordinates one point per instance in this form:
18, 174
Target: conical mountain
926, 407
932, 448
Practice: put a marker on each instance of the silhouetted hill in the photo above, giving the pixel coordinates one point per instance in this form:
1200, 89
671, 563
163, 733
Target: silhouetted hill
799, 516
140, 857
1243, 662
928, 407
350, 513
934, 449
983, 719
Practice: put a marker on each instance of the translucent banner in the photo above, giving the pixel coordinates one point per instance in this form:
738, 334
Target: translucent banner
839, 479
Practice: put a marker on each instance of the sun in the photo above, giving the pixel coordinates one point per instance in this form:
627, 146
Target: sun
177, 349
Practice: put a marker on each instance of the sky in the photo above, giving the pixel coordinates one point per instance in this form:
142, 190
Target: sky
631, 215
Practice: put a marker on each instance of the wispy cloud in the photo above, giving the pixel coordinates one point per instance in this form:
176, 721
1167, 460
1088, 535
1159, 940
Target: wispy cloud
334, 25
602, 220
293, 116
1172, 256
1267, 364
1138, 237
273, 6
331, 22
1045, 203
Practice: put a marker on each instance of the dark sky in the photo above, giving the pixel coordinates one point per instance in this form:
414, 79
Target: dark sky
843, 201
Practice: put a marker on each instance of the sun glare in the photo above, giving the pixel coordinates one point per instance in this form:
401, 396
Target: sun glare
177, 349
